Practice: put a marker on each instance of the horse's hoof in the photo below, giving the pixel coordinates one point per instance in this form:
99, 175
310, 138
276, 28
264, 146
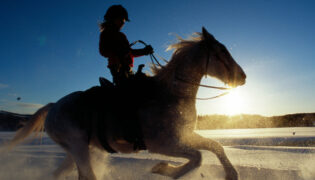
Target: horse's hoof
165, 169
159, 168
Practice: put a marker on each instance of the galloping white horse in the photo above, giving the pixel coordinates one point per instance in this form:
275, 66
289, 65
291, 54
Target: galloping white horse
167, 119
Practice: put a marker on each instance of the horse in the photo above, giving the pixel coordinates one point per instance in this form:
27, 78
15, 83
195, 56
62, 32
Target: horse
167, 120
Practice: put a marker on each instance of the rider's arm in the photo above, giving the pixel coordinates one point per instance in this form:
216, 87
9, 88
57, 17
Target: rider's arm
140, 52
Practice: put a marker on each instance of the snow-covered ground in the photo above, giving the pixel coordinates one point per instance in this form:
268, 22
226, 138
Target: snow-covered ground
257, 154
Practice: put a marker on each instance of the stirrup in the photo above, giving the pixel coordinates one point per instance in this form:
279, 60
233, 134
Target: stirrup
121, 141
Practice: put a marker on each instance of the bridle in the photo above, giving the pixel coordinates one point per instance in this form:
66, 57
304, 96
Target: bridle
156, 63
203, 85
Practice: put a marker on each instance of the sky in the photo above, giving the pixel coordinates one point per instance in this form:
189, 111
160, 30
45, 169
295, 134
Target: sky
49, 49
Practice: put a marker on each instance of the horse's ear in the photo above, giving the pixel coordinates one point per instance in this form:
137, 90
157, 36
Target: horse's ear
207, 35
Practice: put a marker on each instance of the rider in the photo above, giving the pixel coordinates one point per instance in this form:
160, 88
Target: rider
115, 46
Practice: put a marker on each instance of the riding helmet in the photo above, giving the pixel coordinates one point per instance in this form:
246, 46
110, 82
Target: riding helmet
116, 11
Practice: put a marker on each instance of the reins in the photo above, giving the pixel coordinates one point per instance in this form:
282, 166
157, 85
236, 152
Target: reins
206, 86
202, 85
156, 62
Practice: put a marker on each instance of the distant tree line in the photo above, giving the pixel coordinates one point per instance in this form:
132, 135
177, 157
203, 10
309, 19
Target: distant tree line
255, 121
12, 121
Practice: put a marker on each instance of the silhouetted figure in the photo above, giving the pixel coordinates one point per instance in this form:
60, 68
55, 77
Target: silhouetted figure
115, 46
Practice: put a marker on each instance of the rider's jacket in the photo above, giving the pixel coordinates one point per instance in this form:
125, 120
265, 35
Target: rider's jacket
114, 45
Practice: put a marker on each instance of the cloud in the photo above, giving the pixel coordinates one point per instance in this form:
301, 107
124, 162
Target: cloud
19, 107
29, 105
2, 86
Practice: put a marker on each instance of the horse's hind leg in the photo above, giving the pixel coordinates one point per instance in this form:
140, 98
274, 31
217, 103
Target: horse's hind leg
81, 156
66, 166
199, 142
177, 150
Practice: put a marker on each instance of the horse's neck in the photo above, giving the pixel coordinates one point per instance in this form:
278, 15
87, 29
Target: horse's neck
185, 88
182, 81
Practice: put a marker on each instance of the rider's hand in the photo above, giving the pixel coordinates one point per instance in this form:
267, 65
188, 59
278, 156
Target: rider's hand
148, 50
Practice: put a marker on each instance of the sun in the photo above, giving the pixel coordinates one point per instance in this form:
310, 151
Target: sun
234, 102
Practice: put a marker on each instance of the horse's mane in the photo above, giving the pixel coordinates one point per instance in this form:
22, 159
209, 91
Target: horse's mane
181, 49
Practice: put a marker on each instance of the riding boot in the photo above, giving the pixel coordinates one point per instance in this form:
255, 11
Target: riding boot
133, 132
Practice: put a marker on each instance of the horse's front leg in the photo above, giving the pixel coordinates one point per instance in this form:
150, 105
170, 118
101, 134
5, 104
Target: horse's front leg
176, 149
188, 148
196, 141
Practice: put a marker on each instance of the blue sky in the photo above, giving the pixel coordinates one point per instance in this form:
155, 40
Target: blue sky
50, 48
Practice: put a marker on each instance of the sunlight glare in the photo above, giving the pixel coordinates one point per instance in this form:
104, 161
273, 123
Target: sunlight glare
234, 102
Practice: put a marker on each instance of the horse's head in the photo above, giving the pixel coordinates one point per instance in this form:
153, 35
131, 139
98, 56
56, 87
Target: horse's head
219, 62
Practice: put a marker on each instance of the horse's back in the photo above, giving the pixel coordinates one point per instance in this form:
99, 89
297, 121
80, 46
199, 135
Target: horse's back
80, 109
58, 117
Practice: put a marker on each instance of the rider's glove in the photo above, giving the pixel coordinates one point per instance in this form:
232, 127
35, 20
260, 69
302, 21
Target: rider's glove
148, 50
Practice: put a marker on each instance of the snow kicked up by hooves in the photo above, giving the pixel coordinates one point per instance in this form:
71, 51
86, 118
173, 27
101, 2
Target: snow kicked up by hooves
39, 158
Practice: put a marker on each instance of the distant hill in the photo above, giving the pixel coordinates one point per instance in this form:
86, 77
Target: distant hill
255, 121
12, 121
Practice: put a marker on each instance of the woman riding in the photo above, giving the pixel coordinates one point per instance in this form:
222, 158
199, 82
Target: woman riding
115, 46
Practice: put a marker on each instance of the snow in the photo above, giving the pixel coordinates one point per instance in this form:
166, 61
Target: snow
257, 154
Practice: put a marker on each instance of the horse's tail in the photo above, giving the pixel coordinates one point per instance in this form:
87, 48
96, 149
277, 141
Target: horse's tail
34, 124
